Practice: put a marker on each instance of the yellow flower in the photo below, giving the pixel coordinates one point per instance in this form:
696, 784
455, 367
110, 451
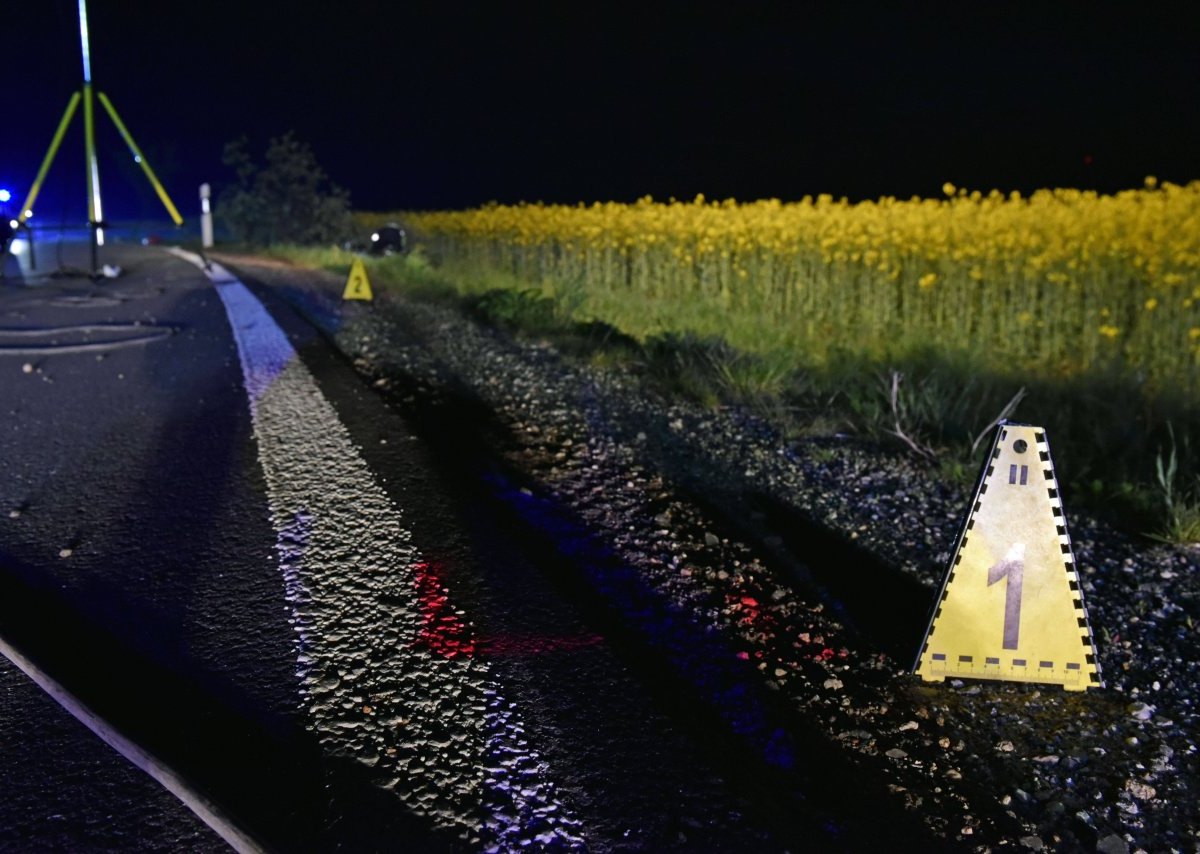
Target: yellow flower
1084, 258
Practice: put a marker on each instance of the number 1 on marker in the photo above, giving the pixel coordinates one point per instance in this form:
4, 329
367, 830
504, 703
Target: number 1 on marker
1012, 568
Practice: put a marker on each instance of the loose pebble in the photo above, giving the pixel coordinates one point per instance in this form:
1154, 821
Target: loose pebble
1140, 790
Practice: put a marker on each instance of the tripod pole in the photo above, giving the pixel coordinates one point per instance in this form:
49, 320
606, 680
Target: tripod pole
95, 211
85, 94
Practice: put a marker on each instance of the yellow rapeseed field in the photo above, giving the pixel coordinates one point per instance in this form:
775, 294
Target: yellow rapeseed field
1060, 282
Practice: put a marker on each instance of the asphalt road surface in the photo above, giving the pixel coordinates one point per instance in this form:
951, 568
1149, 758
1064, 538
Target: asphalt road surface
258, 608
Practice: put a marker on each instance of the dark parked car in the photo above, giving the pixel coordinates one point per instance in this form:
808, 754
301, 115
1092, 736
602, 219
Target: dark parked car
388, 240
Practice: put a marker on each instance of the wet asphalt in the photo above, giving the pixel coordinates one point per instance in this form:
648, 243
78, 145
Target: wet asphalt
436, 676
132, 538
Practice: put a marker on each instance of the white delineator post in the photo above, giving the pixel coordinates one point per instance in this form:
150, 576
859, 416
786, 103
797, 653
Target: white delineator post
206, 226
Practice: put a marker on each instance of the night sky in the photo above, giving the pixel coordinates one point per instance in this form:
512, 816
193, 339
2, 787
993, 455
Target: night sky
444, 105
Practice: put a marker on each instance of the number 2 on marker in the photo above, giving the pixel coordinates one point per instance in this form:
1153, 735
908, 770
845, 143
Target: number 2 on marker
1011, 567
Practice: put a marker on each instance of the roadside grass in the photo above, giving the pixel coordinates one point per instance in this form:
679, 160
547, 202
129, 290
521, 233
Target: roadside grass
1181, 499
1122, 447
1182, 524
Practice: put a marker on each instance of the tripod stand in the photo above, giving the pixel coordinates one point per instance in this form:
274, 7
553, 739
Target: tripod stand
95, 212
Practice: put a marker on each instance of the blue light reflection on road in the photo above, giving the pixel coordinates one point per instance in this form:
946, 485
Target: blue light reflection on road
696, 653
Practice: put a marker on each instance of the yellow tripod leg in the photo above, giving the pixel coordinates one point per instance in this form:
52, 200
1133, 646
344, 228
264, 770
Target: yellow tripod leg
27, 208
139, 159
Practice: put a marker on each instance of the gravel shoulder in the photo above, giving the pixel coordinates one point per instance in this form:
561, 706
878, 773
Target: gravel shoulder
818, 561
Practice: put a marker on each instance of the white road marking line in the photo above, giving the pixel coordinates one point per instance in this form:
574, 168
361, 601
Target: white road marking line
203, 808
434, 728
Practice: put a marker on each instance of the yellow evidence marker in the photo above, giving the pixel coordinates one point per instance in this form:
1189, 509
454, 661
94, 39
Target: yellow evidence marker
357, 285
1011, 606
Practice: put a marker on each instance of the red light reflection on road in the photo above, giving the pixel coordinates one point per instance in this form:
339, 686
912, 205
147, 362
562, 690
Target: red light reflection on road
516, 646
444, 632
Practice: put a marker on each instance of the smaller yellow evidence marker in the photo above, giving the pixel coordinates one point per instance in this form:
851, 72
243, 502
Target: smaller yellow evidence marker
1011, 606
357, 285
